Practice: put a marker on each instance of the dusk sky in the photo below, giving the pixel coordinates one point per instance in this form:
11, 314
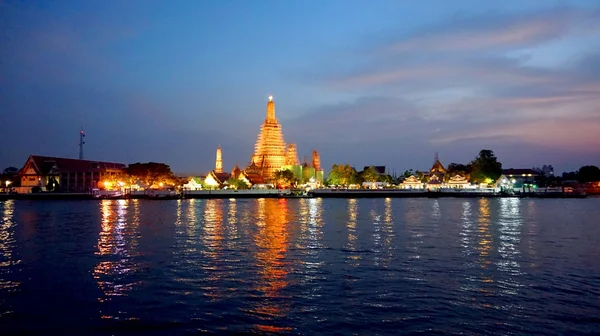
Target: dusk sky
364, 82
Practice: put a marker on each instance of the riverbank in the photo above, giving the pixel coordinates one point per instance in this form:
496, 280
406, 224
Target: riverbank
275, 193
455, 193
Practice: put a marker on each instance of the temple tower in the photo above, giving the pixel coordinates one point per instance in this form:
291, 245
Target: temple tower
219, 161
316, 160
269, 151
291, 155
270, 111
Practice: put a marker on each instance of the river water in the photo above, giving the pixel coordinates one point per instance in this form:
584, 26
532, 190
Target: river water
301, 266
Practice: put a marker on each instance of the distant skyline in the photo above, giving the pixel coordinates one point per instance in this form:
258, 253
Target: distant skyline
382, 82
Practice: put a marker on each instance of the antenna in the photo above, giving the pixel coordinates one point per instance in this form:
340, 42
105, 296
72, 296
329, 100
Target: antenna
81, 143
436, 157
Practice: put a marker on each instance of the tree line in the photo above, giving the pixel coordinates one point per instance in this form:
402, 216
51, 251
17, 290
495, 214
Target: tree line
484, 168
344, 174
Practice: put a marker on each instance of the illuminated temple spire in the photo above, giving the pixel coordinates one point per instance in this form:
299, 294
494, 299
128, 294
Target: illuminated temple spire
316, 160
291, 155
271, 111
269, 152
219, 161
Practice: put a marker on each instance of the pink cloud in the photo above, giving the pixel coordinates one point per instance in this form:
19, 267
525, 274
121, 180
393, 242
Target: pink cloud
558, 132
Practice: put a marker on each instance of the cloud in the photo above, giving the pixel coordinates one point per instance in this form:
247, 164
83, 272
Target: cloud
496, 30
375, 118
572, 133
463, 84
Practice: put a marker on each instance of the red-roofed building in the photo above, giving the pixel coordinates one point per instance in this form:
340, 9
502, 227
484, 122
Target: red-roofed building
67, 174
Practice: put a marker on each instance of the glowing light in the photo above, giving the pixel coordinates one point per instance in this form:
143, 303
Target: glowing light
7, 183
270, 97
513, 180
488, 180
161, 184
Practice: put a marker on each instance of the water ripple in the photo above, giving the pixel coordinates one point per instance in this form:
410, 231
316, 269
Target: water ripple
301, 266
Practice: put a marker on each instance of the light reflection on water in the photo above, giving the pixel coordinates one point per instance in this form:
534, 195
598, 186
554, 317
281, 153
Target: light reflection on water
312, 266
271, 241
118, 248
9, 261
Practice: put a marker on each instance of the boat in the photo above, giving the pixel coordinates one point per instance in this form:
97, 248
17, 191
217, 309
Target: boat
108, 194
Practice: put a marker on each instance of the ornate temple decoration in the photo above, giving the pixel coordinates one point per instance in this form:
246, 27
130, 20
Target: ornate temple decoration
437, 170
219, 161
316, 160
270, 151
458, 181
434, 182
236, 172
291, 155
412, 183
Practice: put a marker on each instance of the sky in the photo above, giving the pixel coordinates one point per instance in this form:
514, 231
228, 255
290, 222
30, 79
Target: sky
363, 82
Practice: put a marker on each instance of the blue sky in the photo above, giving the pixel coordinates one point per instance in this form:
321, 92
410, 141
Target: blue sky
364, 82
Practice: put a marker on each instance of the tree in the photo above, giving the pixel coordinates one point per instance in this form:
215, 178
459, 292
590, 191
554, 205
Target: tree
588, 174
458, 169
151, 173
285, 178
408, 173
237, 184
10, 171
421, 176
342, 175
386, 178
568, 176
370, 174
485, 166
10, 174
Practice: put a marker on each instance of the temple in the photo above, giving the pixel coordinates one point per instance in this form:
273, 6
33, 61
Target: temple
269, 152
437, 172
217, 178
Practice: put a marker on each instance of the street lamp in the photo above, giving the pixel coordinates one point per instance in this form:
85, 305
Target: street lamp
7, 183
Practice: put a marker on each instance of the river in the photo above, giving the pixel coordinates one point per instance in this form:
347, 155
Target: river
301, 266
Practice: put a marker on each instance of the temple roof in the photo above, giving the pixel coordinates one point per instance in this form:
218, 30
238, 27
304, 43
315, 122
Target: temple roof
438, 167
196, 180
236, 171
220, 177
458, 179
434, 180
252, 168
254, 178
412, 180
